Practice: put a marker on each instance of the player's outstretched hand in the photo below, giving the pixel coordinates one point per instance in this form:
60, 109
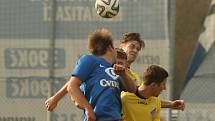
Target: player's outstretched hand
178, 104
50, 104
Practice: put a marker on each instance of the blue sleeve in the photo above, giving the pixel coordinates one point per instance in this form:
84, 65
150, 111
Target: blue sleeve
84, 67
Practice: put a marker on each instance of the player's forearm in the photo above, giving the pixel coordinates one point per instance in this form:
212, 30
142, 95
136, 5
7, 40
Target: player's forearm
61, 93
129, 83
176, 104
78, 97
166, 104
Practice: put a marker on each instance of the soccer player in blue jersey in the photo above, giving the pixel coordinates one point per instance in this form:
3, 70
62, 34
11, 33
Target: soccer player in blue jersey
101, 81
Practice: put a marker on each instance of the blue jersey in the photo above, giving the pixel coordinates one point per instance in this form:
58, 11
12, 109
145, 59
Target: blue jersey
101, 86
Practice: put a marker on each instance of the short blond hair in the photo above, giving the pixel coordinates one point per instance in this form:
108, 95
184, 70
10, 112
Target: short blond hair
99, 41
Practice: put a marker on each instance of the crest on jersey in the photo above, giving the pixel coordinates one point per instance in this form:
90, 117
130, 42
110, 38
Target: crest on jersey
111, 73
153, 112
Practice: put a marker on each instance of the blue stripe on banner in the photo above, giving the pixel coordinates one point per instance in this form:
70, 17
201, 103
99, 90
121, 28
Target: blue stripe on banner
206, 40
197, 59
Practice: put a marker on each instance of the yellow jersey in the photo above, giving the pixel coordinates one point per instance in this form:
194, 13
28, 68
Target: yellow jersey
137, 109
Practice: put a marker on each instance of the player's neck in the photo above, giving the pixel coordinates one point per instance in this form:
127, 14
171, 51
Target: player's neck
107, 58
144, 91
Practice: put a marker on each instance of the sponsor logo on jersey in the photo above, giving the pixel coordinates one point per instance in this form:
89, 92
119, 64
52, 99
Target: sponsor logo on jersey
142, 102
109, 83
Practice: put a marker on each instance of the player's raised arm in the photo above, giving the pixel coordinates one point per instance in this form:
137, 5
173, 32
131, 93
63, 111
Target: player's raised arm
120, 68
81, 102
51, 103
175, 104
128, 83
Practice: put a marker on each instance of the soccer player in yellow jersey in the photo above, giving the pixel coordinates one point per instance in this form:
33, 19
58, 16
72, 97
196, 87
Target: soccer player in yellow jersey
145, 104
132, 43
139, 109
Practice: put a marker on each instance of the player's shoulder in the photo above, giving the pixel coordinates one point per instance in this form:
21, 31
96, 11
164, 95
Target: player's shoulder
155, 99
134, 76
132, 73
88, 57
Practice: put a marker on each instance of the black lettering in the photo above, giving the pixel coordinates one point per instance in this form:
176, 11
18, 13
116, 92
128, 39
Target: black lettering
32, 87
24, 58
63, 117
148, 59
17, 118
68, 13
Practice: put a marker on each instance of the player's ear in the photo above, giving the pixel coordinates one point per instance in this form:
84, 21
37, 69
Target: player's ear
110, 48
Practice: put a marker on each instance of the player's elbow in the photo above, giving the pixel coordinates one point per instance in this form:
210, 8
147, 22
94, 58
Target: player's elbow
69, 86
73, 85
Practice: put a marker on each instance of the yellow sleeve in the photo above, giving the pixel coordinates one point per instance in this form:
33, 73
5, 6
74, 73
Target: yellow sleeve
157, 117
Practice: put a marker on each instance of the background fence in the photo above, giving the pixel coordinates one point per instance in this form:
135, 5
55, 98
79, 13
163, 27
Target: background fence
40, 40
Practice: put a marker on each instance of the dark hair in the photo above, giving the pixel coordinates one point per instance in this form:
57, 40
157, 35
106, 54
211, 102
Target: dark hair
121, 53
99, 41
126, 37
154, 73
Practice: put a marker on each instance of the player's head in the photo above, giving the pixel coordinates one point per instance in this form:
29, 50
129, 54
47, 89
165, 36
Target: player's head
121, 56
100, 43
131, 43
155, 77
